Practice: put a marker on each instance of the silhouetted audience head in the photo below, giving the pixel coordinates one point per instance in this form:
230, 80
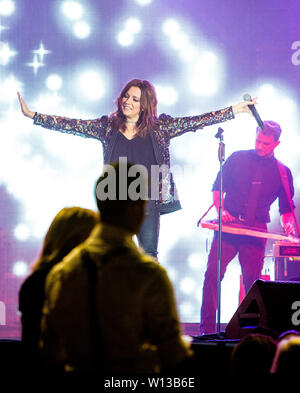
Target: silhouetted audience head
121, 194
253, 355
287, 334
266, 332
286, 359
70, 227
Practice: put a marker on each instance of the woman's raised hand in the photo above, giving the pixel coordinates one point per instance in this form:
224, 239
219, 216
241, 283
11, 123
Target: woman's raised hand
242, 107
26, 112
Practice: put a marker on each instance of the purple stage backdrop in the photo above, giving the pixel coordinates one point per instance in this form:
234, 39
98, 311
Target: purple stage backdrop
73, 57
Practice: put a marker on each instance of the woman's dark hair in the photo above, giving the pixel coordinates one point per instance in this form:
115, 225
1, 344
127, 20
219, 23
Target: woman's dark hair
148, 114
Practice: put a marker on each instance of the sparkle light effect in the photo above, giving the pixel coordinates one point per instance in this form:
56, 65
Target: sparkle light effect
72, 10
75, 17
35, 64
7, 7
187, 285
194, 261
133, 25
22, 232
143, 2
204, 75
203, 66
6, 53
92, 85
8, 88
20, 268
41, 52
2, 28
126, 37
82, 29
186, 62
166, 95
49, 101
171, 27
54, 82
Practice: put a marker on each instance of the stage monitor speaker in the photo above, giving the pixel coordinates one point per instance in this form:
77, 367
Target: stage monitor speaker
287, 269
268, 304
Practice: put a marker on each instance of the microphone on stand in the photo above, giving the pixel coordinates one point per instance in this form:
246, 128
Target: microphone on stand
221, 151
252, 108
219, 133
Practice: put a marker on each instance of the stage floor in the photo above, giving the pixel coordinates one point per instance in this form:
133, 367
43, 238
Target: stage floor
14, 332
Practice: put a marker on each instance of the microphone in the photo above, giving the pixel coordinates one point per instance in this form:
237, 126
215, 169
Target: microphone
252, 108
221, 152
219, 133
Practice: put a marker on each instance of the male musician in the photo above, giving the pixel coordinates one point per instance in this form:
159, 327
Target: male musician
251, 183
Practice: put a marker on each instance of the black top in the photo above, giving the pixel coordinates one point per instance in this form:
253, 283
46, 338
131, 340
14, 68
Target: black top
138, 150
239, 171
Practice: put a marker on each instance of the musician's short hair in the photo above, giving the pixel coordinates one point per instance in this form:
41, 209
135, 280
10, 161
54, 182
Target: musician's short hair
271, 128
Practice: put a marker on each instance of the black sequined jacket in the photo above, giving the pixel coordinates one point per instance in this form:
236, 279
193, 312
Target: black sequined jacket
169, 127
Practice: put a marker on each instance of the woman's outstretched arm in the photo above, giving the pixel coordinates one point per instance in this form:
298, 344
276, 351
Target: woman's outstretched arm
95, 128
177, 126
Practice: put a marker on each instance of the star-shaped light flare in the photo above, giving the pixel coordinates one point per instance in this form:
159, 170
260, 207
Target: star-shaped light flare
36, 64
41, 52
